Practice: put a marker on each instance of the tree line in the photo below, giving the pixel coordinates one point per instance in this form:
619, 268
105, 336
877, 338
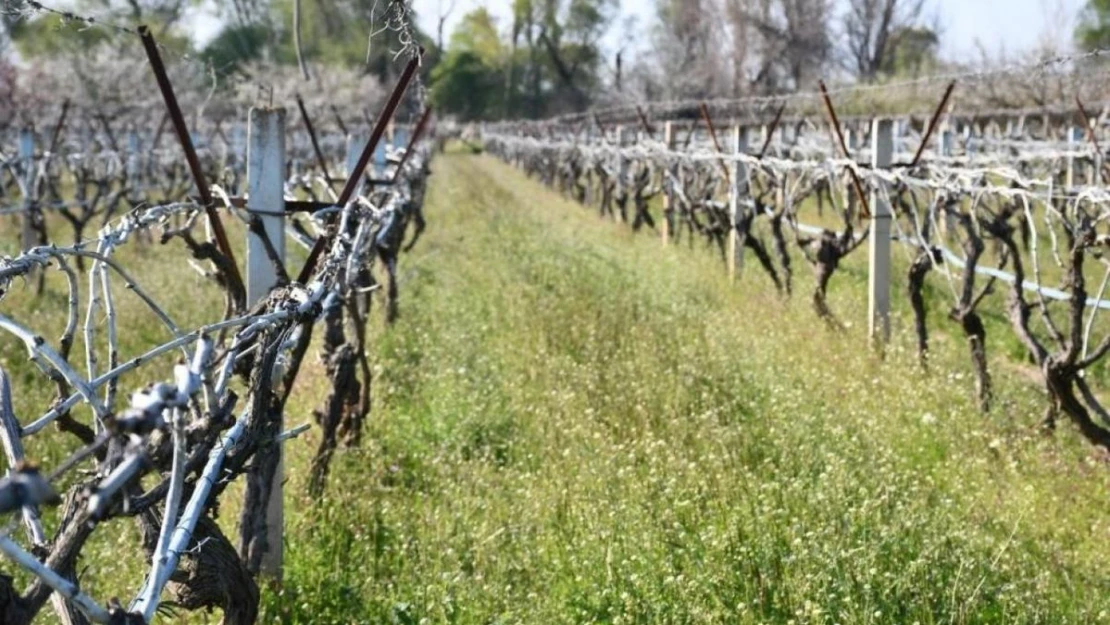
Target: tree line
548, 56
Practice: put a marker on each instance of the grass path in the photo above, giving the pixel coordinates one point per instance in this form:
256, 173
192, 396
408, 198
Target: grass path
573, 425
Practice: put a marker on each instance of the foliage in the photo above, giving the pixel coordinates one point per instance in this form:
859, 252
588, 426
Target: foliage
235, 46
550, 61
1093, 30
913, 50
465, 86
49, 35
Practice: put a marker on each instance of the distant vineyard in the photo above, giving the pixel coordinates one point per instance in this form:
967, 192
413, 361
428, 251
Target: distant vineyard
978, 203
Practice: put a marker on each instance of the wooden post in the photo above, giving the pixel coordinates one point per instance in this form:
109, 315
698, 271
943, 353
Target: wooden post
737, 190
882, 155
265, 187
27, 158
665, 226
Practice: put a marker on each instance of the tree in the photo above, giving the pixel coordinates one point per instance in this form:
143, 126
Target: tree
1093, 30
735, 48
465, 86
50, 34
467, 82
235, 46
688, 39
913, 49
564, 55
548, 61
796, 42
870, 27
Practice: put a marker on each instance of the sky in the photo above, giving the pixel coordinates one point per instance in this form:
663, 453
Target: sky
1012, 26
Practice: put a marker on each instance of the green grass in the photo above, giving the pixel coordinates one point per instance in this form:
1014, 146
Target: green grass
572, 424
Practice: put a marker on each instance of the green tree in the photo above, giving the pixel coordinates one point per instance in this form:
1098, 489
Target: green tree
338, 32
1093, 30
477, 34
236, 45
555, 51
49, 34
913, 50
466, 87
468, 82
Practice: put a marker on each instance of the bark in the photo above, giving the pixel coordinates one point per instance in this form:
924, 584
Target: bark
921, 267
210, 574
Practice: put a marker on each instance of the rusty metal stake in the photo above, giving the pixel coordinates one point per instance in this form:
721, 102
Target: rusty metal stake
416, 132
364, 159
174, 113
103, 119
933, 123
600, 127
58, 127
866, 212
320, 160
713, 136
644, 121
158, 133
690, 134
771, 131
1091, 135
339, 120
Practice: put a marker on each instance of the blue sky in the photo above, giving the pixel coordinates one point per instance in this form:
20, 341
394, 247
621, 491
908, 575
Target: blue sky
1010, 25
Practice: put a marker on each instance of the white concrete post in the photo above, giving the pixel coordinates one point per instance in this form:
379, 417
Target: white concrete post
266, 193
878, 304
27, 158
1069, 177
738, 189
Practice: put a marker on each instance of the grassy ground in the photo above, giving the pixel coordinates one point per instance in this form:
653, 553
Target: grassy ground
573, 425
